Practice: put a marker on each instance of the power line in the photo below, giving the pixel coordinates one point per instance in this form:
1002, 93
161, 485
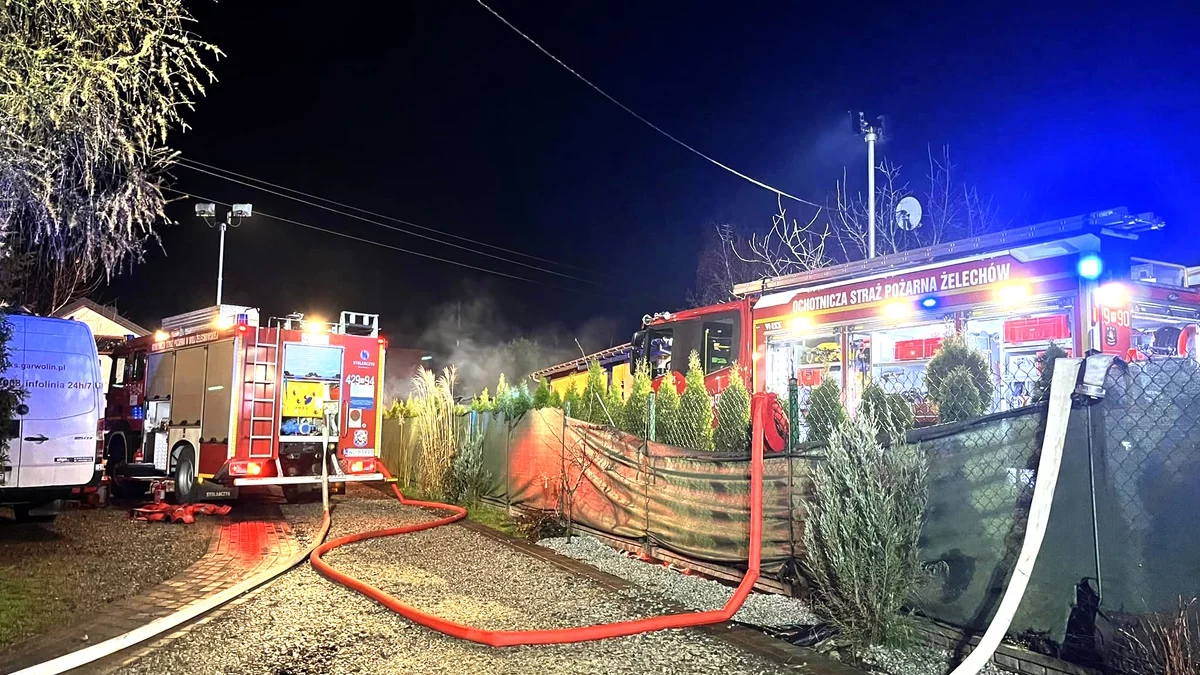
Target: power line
641, 119
376, 243
385, 216
188, 164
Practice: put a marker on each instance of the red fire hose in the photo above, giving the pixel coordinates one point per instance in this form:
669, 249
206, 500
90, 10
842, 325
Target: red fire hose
508, 638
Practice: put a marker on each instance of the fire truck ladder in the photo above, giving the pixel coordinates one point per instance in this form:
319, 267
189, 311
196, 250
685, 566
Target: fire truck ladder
266, 357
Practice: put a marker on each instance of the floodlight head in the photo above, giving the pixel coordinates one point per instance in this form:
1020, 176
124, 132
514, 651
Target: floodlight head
858, 123
242, 210
206, 210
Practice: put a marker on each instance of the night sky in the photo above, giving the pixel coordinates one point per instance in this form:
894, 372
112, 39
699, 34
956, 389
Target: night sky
435, 112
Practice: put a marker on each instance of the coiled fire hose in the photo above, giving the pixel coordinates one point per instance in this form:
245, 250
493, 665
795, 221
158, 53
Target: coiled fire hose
508, 638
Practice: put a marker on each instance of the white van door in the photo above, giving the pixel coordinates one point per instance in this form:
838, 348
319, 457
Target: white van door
10, 470
62, 378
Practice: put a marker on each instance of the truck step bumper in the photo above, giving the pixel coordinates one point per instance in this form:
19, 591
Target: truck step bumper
308, 480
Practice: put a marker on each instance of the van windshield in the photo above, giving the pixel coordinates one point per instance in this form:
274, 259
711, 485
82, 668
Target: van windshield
58, 385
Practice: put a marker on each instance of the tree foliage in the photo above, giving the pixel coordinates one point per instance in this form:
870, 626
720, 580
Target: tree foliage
482, 403
500, 401
733, 415
1045, 362
541, 397
956, 353
90, 90
892, 414
520, 401
666, 413
572, 403
594, 395
636, 415
695, 408
825, 412
864, 531
959, 399
720, 268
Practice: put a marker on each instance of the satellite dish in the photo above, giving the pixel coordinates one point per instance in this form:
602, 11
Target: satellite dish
908, 214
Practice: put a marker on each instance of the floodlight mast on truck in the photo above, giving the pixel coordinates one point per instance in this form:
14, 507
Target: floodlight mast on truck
214, 402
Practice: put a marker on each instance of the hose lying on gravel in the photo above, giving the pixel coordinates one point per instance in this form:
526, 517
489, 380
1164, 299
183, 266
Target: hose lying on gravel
506, 638
163, 624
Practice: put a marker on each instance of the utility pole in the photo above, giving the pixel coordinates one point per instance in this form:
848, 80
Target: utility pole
209, 211
871, 134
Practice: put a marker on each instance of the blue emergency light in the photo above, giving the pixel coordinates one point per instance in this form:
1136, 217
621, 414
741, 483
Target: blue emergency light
929, 303
1090, 267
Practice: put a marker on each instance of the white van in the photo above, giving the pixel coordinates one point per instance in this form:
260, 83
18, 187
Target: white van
55, 434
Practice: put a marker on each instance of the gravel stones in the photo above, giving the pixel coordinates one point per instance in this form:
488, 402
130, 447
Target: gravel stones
915, 661
304, 624
692, 592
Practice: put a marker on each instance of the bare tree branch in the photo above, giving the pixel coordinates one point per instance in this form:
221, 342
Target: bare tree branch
952, 210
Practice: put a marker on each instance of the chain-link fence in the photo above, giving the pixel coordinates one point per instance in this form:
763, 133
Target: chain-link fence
1144, 443
913, 397
1120, 544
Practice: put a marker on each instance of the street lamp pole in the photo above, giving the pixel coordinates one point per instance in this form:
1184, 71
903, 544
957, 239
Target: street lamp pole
233, 218
871, 134
221, 261
871, 137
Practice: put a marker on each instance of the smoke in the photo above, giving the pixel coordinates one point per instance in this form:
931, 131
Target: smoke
477, 337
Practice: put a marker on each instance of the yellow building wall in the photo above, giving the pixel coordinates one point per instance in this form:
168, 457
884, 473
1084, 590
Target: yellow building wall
622, 378
564, 383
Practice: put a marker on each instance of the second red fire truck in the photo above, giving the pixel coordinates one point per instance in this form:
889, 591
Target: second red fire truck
214, 402
1076, 282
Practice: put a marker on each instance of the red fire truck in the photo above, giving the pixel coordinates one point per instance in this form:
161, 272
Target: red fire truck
1076, 282
214, 402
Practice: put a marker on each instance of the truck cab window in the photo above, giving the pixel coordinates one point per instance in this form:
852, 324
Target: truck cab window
718, 346
119, 373
137, 368
661, 342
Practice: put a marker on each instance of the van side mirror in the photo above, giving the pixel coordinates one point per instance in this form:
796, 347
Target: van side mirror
22, 409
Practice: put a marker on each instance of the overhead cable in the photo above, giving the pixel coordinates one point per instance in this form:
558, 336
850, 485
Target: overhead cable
367, 241
390, 227
641, 119
188, 160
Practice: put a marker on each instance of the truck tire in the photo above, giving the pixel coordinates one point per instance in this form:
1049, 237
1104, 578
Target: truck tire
185, 476
114, 466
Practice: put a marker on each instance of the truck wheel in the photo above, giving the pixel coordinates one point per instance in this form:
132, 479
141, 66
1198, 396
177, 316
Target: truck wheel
185, 476
115, 467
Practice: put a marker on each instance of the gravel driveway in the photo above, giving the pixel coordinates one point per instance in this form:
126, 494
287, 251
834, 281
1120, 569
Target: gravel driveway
305, 624
55, 572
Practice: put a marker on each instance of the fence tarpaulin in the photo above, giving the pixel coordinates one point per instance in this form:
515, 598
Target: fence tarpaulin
1139, 446
981, 479
1146, 450
699, 506
605, 479
492, 433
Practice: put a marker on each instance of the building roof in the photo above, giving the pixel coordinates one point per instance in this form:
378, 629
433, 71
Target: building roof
617, 354
109, 313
